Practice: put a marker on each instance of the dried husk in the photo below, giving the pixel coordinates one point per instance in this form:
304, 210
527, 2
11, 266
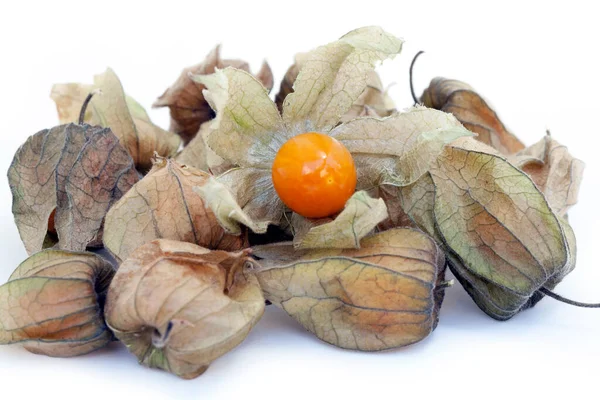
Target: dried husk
249, 130
503, 240
53, 304
373, 102
334, 76
417, 200
287, 83
123, 115
186, 101
554, 171
399, 149
472, 111
500, 303
178, 306
397, 217
199, 155
359, 217
164, 205
396, 151
63, 182
385, 294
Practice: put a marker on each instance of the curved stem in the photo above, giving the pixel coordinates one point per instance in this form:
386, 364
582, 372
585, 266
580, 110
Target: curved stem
410, 74
555, 296
84, 106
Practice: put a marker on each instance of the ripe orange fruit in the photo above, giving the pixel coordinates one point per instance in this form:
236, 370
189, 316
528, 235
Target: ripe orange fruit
314, 175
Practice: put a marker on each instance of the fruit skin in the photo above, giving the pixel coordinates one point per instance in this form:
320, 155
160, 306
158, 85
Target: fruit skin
314, 175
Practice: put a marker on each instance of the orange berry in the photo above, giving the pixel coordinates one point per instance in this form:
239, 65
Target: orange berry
314, 175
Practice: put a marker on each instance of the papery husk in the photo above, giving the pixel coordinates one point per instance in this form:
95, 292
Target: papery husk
359, 217
472, 111
334, 76
199, 155
249, 130
63, 182
554, 171
53, 304
188, 108
399, 149
164, 205
503, 240
111, 108
178, 306
385, 294
373, 102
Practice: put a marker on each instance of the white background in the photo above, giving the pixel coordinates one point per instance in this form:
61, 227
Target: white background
537, 64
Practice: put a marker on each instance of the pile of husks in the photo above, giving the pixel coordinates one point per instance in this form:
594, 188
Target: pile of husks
200, 238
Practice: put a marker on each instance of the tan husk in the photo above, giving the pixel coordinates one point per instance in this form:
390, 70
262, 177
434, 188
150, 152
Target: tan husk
554, 171
163, 205
249, 130
418, 201
472, 111
123, 115
399, 149
199, 155
186, 101
501, 303
332, 77
52, 304
503, 240
397, 217
219, 199
63, 182
385, 294
359, 217
178, 306
373, 102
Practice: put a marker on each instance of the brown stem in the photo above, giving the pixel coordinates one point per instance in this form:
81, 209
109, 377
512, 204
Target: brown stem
558, 297
410, 74
85, 104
